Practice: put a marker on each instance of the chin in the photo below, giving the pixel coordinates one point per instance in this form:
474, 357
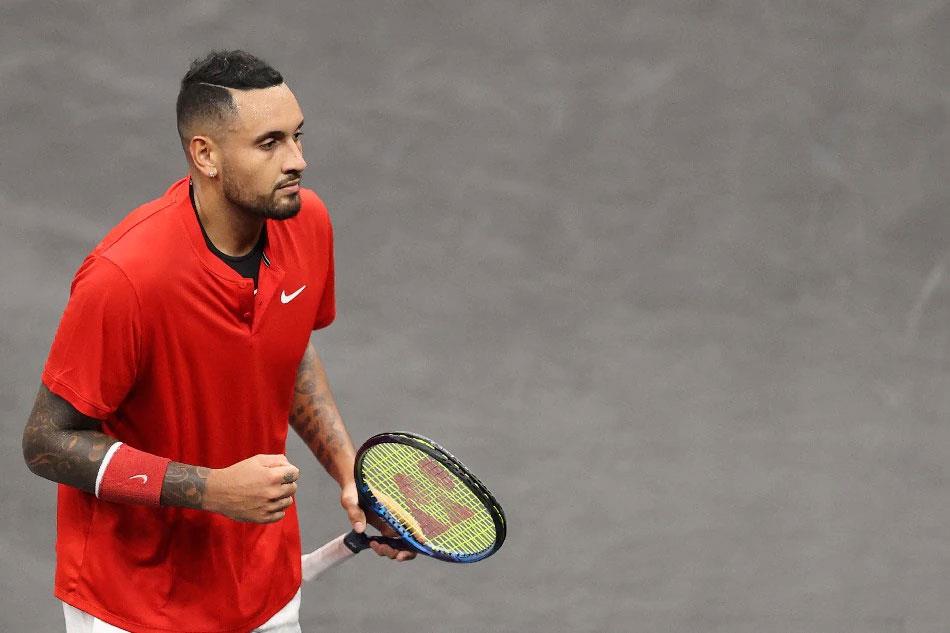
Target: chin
284, 211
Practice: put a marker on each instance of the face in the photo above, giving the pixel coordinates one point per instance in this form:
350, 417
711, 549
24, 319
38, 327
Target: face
261, 153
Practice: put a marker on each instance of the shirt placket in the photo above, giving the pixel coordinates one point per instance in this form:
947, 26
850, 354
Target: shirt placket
246, 303
268, 281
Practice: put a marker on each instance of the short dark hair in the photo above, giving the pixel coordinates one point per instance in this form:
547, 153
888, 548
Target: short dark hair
204, 91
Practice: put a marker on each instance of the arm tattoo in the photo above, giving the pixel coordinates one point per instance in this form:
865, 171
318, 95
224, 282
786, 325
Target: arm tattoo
315, 418
184, 485
62, 444
65, 446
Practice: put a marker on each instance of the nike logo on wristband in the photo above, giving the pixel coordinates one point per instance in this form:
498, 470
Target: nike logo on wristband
287, 298
144, 478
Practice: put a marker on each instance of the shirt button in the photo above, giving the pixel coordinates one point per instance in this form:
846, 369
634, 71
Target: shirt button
247, 316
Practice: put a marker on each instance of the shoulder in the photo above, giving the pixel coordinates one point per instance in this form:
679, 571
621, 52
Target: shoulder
312, 209
100, 274
136, 244
101, 293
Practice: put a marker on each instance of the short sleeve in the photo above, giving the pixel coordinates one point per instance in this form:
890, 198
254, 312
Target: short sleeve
93, 361
327, 310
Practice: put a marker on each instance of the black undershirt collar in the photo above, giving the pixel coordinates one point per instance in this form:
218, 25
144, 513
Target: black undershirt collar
246, 265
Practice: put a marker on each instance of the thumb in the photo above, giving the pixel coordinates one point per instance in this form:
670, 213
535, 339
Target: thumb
353, 511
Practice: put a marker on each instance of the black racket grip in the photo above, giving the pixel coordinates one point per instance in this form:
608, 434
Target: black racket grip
357, 542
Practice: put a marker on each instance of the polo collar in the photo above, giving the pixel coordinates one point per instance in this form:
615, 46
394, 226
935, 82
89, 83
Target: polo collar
181, 199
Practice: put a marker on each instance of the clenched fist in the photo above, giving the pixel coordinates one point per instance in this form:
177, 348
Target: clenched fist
256, 490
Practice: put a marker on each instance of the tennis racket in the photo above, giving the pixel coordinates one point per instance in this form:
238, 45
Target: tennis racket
435, 504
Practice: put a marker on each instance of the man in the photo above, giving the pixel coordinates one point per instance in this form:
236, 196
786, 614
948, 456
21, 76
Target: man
181, 355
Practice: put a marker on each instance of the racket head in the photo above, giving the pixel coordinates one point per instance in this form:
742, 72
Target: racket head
429, 498
472, 479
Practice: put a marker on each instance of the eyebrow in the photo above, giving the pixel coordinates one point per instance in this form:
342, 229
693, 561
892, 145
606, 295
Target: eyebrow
275, 134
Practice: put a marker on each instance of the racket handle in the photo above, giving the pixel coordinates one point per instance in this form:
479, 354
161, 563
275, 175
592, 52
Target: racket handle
341, 548
330, 555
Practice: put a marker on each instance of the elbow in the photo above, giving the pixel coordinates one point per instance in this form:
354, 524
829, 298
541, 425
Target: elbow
43, 442
36, 448
29, 447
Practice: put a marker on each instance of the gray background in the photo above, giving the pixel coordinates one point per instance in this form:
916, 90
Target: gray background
671, 276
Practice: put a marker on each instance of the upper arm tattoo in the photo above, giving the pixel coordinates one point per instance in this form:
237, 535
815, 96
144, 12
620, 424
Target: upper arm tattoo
62, 444
314, 415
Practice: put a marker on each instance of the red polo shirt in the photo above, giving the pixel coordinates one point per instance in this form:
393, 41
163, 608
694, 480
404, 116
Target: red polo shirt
172, 349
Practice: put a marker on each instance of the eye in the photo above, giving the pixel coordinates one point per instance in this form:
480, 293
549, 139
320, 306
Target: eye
268, 145
297, 135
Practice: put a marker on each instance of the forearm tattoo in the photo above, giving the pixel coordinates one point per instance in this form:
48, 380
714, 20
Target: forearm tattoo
184, 486
65, 446
315, 418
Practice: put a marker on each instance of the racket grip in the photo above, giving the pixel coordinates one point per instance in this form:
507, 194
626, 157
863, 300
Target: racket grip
357, 542
341, 548
330, 555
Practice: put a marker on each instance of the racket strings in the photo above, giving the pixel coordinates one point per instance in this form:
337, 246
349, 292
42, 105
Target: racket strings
472, 481
452, 517
462, 537
469, 478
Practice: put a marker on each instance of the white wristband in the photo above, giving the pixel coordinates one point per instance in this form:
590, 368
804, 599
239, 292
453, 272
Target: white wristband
105, 464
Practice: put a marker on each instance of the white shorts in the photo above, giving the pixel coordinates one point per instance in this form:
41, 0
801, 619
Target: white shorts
287, 620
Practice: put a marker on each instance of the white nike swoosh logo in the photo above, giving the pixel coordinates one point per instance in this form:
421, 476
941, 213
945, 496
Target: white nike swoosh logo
143, 477
287, 298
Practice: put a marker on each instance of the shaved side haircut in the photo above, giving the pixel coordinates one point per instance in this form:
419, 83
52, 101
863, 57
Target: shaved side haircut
204, 94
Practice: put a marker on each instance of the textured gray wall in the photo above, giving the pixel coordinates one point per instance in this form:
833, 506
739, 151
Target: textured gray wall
670, 275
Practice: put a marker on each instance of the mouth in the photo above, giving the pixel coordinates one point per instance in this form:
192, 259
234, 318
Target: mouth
290, 187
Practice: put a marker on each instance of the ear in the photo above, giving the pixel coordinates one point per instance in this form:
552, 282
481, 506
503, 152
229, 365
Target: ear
204, 154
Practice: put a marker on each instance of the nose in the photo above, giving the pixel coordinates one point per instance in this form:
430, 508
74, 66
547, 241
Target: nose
294, 161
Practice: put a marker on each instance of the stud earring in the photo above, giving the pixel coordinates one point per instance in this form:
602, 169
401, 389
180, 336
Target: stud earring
212, 173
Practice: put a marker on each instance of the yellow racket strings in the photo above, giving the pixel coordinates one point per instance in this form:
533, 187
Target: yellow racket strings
472, 481
387, 465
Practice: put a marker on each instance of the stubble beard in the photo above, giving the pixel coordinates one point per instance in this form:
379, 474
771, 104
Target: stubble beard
270, 206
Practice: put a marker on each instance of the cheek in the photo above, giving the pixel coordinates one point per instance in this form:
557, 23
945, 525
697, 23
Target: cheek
262, 173
250, 174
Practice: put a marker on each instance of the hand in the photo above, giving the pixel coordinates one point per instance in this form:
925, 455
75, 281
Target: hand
350, 502
256, 490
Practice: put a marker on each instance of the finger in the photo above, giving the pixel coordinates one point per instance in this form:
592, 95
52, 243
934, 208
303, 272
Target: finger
285, 490
273, 517
354, 512
357, 518
384, 550
388, 550
279, 505
284, 474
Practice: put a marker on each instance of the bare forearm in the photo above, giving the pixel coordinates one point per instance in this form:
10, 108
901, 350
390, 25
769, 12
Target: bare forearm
64, 446
316, 419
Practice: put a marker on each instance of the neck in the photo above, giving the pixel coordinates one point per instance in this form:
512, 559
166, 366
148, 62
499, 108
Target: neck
231, 230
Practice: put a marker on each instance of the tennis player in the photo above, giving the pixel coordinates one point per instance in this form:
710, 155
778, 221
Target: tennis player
183, 352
